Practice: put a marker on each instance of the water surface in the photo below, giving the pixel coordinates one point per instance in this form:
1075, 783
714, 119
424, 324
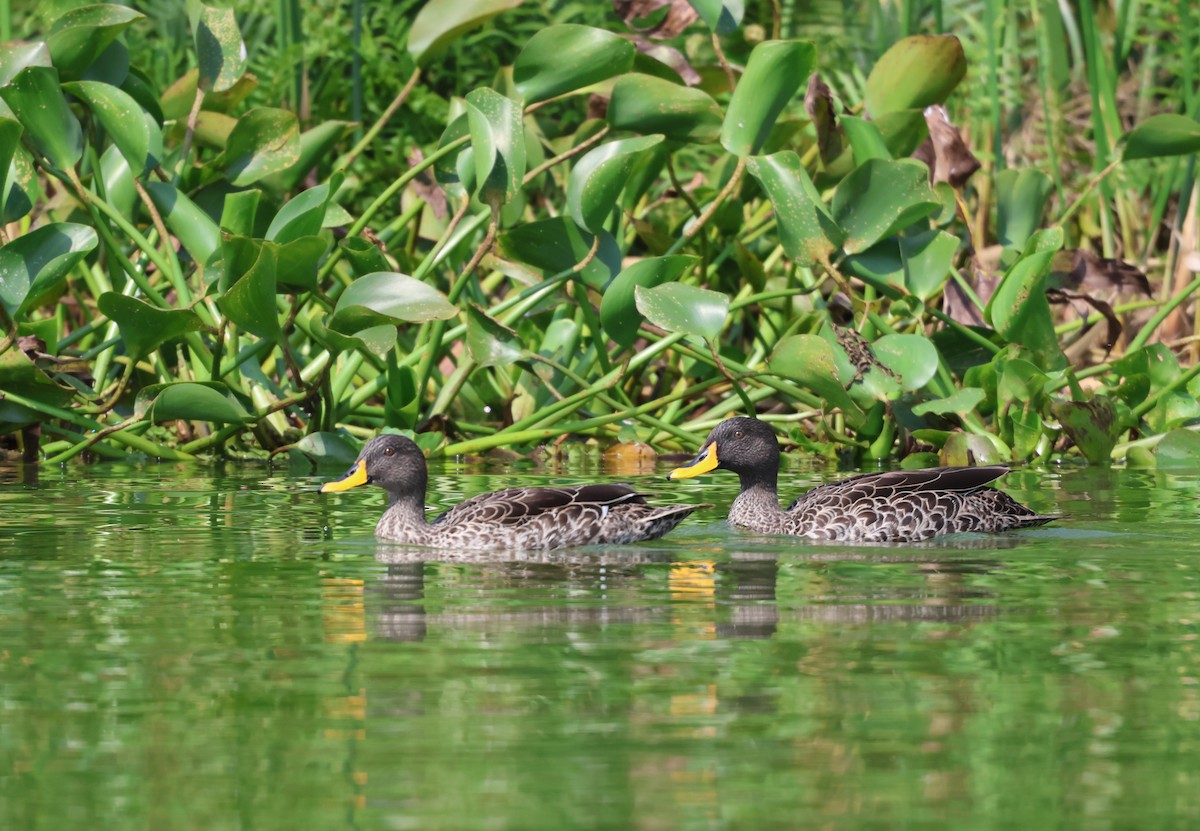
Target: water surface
221, 648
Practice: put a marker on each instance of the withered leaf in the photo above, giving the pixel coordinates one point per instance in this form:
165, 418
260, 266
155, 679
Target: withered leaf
1059, 297
1084, 271
818, 103
669, 56
953, 161
680, 15
426, 187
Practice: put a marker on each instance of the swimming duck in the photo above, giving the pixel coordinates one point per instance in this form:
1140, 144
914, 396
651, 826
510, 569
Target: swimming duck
896, 506
531, 518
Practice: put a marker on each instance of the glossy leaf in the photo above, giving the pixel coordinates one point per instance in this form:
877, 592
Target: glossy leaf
880, 198
961, 402
143, 327
194, 228
190, 401
249, 303
902, 132
219, 46
264, 141
36, 263
377, 340
913, 358
557, 245
51, 129
807, 231
646, 104
722, 16
568, 57
866, 142
316, 144
915, 72
132, 130
21, 187
1021, 198
677, 307
498, 141
597, 179
10, 142
296, 262
619, 314
1162, 135
1018, 310
17, 55
303, 214
918, 264
240, 211
775, 70
456, 172
490, 342
809, 361
81, 35
387, 298
328, 448
440, 22
1093, 426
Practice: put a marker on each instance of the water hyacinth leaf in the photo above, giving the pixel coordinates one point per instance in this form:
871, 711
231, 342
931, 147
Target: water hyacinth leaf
402, 401
362, 255
10, 140
646, 104
440, 22
866, 141
677, 307
250, 302
388, 297
973, 449
567, 57
1021, 198
918, 264
809, 360
498, 141
962, 402
303, 214
190, 401
35, 264
915, 72
143, 327
138, 86
913, 358
51, 129
17, 55
1162, 135
776, 69
19, 375
619, 314
1092, 425
377, 340
265, 140
194, 228
722, 16
807, 231
489, 341
456, 172
240, 211
558, 244
1018, 309
902, 132
220, 50
296, 262
597, 179
328, 448
81, 35
133, 132
882, 197
1179, 449
316, 143
22, 186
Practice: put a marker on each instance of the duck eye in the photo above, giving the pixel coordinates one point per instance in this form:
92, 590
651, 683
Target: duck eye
389, 451
738, 434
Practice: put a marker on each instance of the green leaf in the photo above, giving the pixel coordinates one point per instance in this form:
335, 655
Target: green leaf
1180, 449
919, 264
1162, 135
557, 245
646, 104
597, 179
189, 401
36, 263
82, 34
618, 307
131, 128
962, 402
363, 256
1021, 197
440, 22
16, 55
10, 141
722, 16
776, 69
219, 46
880, 198
902, 133
490, 342
378, 340
240, 211
677, 307
194, 228
809, 360
1018, 309
913, 358
914, 73
19, 375
296, 262
456, 172
143, 327
51, 129
304, 214
21, 187
264, 141
249, 302
807, 231
1093, 425
328, 448
866, 140
316, 144
387, 298
568, 57
498, 141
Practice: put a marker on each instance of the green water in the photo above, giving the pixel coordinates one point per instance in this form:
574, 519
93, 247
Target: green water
200, 648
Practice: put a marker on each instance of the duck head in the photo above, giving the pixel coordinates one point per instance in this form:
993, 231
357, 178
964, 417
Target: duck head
746, 446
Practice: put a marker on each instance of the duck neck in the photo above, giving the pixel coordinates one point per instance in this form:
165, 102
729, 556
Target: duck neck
407, 505
760, 489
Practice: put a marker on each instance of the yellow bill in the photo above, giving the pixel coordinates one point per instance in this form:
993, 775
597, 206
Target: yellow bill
357, 476
705, 461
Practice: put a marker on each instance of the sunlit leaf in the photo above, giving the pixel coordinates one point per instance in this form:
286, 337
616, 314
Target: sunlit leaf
677, 307
646, 104
264, 141
776, 69
809, 361
36, 263
1161, 135
249, 303
17, 55
328, 448
919, 264
866, 141
490, 342
961, 402
51, 129
1021, 197
880, 198
722, 16
440, 22
498, 141
807, 231
558, 244
597, 179
194, 228
567, 57
190, 401
316, 144
915, 72
619, 314
1093, 426
81, 35
1019, 311
219, 46
132, 130
388, 298
303, 214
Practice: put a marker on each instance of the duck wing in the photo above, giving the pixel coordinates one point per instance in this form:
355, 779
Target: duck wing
516, 506
892, 484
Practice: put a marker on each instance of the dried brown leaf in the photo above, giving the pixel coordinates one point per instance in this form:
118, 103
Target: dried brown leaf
953, 161
1059, 297
426, 187
1087, 272
680, 15
669, 56
818, 103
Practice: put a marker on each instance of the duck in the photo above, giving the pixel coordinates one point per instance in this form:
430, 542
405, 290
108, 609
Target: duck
894, 506
514, 518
